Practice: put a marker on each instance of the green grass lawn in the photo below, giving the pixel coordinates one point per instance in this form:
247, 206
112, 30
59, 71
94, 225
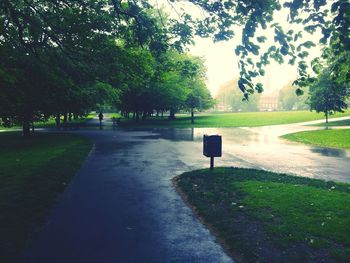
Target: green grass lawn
33, 172
327, 138
243, 119
267, 217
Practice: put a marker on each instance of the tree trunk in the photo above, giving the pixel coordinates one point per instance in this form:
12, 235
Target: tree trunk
192, 116
144, 115
137, 117
327, 120
33, 129
26, 128
58, 121
172, 114
65, 119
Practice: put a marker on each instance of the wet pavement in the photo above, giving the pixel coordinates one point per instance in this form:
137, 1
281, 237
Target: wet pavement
122, 207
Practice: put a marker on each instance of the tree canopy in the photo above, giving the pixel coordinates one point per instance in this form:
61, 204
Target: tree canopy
330, 18
63, 57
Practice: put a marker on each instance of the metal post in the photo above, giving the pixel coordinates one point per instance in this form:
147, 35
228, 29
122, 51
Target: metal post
211, 163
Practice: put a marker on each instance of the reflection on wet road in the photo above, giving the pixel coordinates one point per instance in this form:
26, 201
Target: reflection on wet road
261, 147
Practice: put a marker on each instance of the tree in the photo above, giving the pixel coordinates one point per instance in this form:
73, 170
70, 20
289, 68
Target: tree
23, 87
46, 47
327, 96
138, 70
177, 75
199, 98
61, 57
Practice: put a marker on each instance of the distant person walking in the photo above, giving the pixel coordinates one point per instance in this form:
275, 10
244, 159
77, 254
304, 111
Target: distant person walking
100, 117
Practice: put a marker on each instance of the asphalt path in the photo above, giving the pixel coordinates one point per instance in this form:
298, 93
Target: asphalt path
122, 207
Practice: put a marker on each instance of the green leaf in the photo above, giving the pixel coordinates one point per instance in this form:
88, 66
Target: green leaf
299, 92
259, 87
261, 39
262, 72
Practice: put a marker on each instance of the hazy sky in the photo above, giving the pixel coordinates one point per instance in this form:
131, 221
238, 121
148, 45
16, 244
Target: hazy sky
220, 58
221, 63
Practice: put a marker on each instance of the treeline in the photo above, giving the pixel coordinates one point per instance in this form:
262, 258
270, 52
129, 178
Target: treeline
62, 58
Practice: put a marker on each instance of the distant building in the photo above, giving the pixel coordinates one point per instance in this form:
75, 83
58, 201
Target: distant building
269, 102
269, 98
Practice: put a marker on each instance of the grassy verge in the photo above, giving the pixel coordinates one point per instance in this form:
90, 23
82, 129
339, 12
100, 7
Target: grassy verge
266, 217
51, 123
33, 172
335, 123
115, 115
326, 138
243, 119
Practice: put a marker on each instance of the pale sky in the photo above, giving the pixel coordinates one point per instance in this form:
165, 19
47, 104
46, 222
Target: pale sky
220, 58
221, 62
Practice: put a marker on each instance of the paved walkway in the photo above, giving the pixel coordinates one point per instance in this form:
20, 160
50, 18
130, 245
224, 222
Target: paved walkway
121, 207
